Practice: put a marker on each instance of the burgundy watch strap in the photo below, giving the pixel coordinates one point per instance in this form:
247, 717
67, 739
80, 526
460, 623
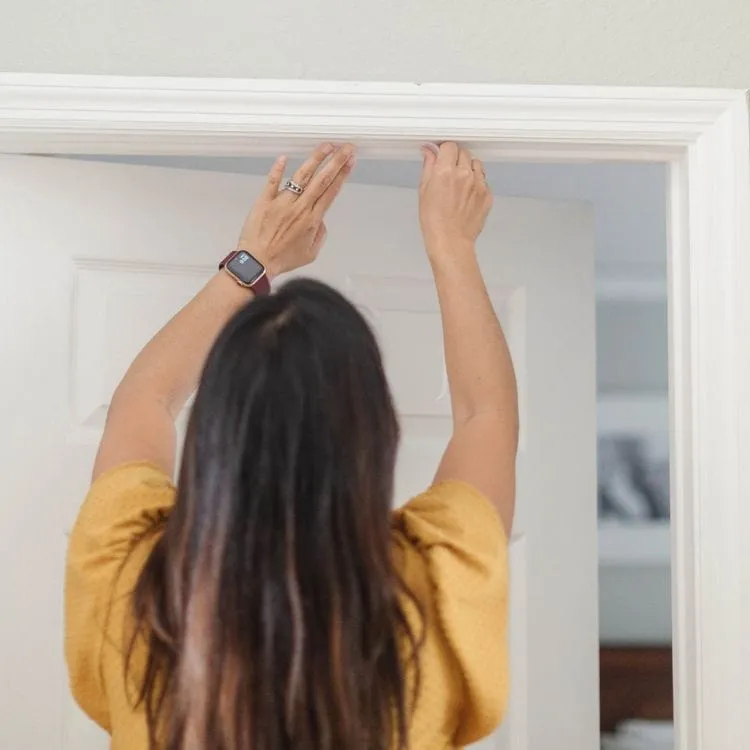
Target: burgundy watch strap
261, 287
227, 259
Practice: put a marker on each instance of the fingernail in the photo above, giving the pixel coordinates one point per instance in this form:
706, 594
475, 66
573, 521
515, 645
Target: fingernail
352, 162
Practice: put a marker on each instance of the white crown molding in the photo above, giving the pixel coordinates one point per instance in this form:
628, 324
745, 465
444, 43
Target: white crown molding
705, 139
48, 113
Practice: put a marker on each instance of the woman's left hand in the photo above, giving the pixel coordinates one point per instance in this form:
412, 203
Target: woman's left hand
285, 231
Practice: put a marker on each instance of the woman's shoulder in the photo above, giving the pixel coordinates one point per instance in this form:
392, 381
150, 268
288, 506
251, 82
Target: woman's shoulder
451, 548
104, 560
121, 504
452, 514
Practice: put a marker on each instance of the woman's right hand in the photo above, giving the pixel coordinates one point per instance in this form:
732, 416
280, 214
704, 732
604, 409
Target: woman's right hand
285, 231
454, 199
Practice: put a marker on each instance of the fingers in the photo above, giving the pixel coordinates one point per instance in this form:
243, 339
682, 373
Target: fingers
307, 171
327, 176
480, 177
334, 188
275, 176
429, 152
448, 155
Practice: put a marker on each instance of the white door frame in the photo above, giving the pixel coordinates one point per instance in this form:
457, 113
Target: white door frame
704, 137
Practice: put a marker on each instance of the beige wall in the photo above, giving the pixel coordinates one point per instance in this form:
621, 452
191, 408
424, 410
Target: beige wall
618, 42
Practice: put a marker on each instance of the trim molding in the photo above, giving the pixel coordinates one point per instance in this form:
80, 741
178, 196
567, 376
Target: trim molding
44, 113
702, 135
710, 382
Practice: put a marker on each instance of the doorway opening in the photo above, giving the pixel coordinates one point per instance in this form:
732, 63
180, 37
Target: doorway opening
629, 220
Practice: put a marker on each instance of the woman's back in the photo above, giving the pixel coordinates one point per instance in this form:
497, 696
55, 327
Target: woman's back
448, 546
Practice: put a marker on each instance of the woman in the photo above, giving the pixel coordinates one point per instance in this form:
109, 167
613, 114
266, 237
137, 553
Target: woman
272, 600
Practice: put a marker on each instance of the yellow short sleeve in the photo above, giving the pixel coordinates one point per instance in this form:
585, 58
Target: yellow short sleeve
120, 508
462, 539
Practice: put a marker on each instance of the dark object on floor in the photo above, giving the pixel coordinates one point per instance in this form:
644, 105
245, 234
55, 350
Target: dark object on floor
635, 683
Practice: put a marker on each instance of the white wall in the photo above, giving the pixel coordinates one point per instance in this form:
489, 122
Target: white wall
631, 347
639, 42
635, 605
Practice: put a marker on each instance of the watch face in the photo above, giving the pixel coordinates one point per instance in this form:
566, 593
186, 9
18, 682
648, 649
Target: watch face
245, 268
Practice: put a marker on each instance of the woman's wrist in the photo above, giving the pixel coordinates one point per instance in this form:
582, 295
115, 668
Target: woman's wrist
227, 292
264, 257
446, 253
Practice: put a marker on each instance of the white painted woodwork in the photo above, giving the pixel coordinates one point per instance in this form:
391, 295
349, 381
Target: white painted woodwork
96, 257
702, 135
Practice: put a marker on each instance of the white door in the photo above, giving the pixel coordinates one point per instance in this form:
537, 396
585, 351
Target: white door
96, 257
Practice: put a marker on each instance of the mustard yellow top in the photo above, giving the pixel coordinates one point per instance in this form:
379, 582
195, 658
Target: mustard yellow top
454, 559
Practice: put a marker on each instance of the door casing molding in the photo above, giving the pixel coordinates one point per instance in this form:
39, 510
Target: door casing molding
704, 138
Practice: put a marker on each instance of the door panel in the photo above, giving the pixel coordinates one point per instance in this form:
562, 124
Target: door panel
96, 257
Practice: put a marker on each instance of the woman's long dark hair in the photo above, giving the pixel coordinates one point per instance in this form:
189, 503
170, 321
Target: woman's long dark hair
270, 607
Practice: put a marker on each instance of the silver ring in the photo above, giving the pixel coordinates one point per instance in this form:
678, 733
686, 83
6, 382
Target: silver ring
293, 187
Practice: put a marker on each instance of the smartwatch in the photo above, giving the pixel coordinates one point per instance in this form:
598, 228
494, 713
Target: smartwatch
247, 271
